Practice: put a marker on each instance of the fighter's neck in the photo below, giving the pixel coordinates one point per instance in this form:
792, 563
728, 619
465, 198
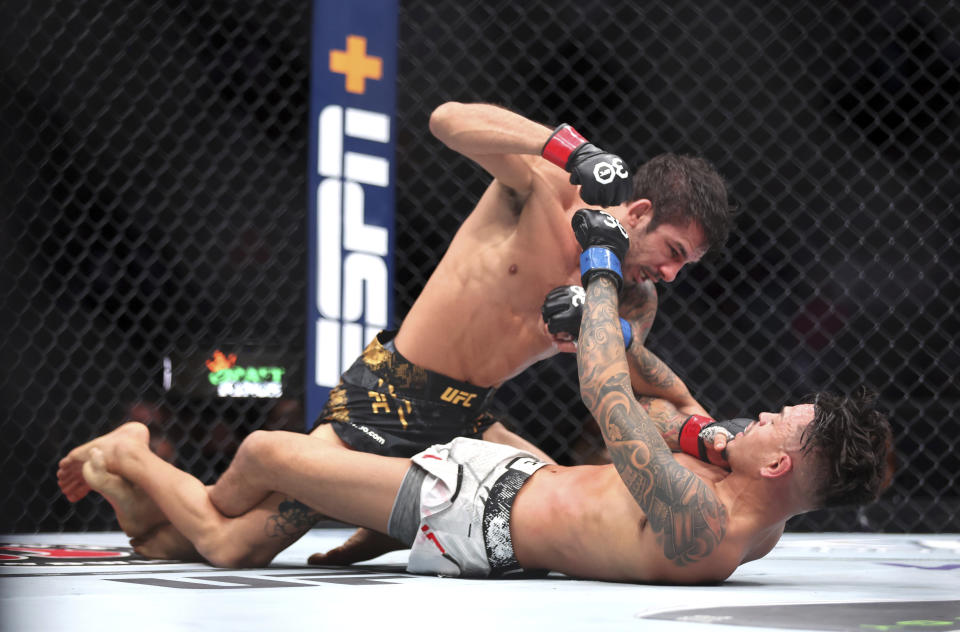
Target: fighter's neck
755, 498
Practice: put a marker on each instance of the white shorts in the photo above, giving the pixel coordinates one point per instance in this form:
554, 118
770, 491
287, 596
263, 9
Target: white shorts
464, 515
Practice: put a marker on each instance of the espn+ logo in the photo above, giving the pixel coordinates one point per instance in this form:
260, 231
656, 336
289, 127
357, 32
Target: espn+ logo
352, 274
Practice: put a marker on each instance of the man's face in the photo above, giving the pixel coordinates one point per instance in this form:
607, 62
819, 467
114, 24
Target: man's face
778, 431
659, 254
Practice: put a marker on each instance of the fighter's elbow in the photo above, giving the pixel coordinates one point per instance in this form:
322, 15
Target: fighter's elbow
442, 118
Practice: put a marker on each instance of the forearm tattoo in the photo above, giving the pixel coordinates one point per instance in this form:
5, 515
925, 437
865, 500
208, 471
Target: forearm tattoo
639, 305
293, 518
652, 369
686, 515
666, 417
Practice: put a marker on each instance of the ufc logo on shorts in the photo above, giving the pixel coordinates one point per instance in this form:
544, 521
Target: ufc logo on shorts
456, 396
605, 172
352, 277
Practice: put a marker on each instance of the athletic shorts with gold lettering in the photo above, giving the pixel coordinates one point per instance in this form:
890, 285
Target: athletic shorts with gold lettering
386, 405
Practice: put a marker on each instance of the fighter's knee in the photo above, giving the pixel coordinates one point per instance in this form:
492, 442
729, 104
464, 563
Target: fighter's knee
258, 449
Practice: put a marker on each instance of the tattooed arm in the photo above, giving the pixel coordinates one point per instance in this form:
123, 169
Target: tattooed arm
685, 514
638, 304
649, 374
666, 417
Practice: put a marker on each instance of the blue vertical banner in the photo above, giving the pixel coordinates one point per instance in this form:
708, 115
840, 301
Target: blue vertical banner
351, 191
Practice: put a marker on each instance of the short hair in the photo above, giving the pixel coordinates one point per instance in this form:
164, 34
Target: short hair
684, 189
852, 444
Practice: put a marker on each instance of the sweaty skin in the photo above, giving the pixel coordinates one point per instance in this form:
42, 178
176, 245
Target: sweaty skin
513, 248
651, 516
485, 295
587, 521
583, 521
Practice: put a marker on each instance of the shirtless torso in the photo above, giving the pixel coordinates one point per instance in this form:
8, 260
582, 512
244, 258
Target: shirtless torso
656, 515
485, 294
583, 521
478, 317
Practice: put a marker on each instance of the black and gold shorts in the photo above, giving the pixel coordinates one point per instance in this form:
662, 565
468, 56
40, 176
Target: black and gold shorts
386, 405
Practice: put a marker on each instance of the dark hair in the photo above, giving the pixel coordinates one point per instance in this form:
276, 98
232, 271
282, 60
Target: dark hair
852, 444
682, 189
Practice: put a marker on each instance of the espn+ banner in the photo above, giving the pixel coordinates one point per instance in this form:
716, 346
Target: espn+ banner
351, 194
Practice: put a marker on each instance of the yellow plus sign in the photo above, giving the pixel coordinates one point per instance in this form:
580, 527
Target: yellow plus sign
355, 64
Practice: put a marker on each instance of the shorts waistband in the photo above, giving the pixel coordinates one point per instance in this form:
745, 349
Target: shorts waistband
496, 516
382, 358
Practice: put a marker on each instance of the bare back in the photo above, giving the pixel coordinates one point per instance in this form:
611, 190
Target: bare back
478, 317
584, 522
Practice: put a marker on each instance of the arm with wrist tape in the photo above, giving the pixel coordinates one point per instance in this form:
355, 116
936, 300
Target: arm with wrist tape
685, 515
691, 429
667, 418
562, 311
504, 143
604, 178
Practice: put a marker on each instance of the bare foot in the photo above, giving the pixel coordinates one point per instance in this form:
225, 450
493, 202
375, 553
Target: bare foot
165, 543
136, 511
70, 470
363, 545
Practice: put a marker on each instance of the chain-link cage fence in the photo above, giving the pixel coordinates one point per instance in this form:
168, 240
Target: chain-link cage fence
153, 171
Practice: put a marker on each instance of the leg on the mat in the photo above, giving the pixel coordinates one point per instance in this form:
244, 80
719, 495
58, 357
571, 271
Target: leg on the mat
364, 544
165, 542
355, 487
351, 486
